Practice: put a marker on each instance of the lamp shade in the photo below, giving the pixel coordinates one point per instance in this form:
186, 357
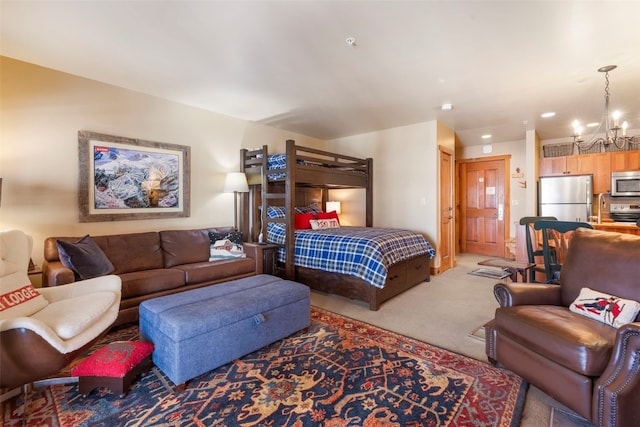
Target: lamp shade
236, 182
334, 206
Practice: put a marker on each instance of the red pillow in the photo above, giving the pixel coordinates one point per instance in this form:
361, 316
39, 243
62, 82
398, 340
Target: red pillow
301, 221
328, 215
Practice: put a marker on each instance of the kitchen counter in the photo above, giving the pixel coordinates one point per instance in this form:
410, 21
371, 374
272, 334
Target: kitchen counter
619, 227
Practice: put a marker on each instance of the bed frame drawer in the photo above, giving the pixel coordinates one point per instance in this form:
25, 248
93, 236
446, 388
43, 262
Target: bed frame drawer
397, 273
418, 269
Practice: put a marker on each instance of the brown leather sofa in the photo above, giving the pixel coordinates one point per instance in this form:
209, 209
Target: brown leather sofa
591, 367
154, 264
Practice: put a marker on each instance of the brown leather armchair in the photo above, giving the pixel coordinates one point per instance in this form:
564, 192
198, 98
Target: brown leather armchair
591, 367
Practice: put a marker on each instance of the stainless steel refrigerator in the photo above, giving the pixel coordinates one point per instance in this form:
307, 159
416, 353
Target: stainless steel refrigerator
568, 198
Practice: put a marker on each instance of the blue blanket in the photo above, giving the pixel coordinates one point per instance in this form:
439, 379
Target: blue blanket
364, 252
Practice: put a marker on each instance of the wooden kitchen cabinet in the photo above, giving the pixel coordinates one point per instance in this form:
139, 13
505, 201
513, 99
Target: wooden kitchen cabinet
553, 166
577, 164
601, 172
596, 164
622, 161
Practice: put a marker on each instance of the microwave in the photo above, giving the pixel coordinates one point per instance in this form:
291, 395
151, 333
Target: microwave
625, 183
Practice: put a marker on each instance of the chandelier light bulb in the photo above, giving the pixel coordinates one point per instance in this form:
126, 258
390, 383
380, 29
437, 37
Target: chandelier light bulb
616, 118
625, 125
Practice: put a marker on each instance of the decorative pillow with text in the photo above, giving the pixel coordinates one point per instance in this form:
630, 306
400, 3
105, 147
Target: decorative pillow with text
22, 301
605, 308
323, 224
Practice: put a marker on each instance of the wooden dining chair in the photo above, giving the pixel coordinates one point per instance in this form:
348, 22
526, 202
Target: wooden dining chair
534, 245
556, 236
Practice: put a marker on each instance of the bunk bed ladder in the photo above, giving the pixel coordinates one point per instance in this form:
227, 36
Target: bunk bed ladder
253, 163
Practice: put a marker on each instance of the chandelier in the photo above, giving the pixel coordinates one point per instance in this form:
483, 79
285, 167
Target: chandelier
609, 125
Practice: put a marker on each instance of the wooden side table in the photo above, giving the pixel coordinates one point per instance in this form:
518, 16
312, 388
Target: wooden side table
511, 267
269, 254
270, 258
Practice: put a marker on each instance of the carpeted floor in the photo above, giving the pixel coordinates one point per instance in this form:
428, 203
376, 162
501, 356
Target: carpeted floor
338, 372
448, 312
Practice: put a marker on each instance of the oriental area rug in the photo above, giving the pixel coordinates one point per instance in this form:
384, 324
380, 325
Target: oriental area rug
339, 372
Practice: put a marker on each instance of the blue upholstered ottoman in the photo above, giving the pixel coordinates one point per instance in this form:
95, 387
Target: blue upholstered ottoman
198, 330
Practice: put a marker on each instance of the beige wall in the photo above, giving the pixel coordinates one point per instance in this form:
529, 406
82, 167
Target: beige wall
41, 112
405, 176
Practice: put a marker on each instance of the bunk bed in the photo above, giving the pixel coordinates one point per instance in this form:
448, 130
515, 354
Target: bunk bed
299, 179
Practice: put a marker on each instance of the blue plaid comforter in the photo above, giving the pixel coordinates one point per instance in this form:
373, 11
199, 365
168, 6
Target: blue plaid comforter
363, 252
276, 162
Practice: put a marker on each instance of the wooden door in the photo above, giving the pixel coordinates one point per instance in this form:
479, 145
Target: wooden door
446, 246
483, 206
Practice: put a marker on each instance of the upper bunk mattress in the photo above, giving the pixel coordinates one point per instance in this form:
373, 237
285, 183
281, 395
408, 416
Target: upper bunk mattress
278, 162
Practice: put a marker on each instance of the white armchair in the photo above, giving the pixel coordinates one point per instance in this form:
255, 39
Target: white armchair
43, 330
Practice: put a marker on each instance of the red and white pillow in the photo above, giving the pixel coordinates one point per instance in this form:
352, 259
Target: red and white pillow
20, 301
608, 309
323, 224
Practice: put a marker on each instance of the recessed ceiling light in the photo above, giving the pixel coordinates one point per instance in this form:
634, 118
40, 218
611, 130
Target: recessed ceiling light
487, 136
446, 107
351, 41
592, 124
548, 114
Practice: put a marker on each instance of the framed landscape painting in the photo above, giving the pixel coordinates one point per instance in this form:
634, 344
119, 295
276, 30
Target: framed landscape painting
127, 179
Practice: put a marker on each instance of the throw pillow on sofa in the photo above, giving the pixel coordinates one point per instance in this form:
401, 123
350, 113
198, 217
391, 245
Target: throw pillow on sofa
608, 309
84, 257
226, 245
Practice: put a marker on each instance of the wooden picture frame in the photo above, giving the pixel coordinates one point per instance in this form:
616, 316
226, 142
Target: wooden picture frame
130, 179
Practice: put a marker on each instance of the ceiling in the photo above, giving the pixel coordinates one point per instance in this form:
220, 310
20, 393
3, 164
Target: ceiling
286, 64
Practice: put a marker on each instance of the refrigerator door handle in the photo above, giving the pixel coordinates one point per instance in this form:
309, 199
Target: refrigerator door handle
587, 195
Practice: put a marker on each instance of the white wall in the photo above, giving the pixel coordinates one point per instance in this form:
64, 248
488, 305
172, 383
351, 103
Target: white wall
41, 112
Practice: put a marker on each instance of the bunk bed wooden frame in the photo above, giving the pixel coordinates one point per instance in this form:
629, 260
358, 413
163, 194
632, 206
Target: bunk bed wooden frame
309, 173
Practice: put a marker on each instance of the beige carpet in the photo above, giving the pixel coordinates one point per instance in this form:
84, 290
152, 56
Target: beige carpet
449, 312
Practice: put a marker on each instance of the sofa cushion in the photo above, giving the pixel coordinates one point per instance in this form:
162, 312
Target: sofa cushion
147, 282
217, 270
184, 246
580, 344
132, 252
608, 309
84, 257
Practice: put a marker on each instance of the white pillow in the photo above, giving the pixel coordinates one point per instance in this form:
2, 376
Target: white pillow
608, 309
321, 224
